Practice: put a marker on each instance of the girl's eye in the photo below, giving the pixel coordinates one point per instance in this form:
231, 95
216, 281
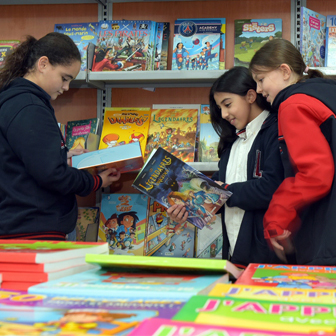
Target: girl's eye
228, 105
64, 79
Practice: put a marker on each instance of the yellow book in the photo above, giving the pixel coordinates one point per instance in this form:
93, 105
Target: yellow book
123, 125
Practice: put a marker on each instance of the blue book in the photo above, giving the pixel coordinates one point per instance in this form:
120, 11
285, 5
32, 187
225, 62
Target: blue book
81, 34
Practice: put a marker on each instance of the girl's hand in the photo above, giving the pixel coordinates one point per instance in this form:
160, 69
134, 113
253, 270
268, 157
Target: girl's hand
177, 213
109, 176
283, 245
73, 152
219, 182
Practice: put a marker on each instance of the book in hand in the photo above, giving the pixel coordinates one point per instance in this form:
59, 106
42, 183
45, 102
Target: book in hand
124, 158
171, 181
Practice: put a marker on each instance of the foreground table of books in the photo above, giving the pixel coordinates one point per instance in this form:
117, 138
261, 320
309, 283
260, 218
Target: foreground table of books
76, 288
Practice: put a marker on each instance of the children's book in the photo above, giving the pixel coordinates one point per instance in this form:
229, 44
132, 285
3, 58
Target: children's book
275, 293
174, 128
81, 34
209, 139
77, 132
289, 276
122, 223
196, 44
165, 327
124, 158
264, 315
330, 51
164, 49
165, 264
123, 125
30, 252
158, 44
251, 35
87, 224
131, 284
62, 128
312, 37
6, 46
171, 181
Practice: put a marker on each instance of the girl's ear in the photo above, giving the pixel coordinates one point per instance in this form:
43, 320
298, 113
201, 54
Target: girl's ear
251, 96
42, 63
286, 71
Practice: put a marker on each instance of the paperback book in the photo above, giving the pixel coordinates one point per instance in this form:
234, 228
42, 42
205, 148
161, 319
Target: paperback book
330, 51
6, 46
164, 50
171, 181
251, 35
87, 224
158, 44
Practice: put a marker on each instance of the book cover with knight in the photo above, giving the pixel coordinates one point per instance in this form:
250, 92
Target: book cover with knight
172, 181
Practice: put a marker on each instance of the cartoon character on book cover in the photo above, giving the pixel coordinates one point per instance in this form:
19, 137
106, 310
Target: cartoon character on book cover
174, 129
122, 224
125, 45
312, 37
81, 34
125, 125
251, 35
196, 44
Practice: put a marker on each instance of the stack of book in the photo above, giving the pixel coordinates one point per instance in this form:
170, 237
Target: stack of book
24, 263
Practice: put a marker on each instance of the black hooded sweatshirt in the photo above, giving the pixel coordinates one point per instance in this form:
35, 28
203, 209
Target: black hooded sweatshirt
37, 187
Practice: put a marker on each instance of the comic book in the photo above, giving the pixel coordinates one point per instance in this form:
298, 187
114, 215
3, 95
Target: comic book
158, 44
87, 224
174, 128
81, 34
166, 238
124, 125
164, 50
289, 276
251, 35
125, 45
196, 44
170, 181
123, 219
330, 51
264, 315
38, 314
312, 37
5, 48
209, 139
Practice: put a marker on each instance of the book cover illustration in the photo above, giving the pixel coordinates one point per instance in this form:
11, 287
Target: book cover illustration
158, 44
77, 132
123, 219
125, 125
6, 46
81, 34
196, 44
171, 181
251, 35
312, 37
164, 49
125, 45
209, 139
174, 128
87, 224
138, 284
289, 276
330, 52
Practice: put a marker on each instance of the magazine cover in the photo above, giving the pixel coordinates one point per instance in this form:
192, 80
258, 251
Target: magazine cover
312, 37
81, 34
251, 35
196, 44
125, 45
125, 125
123, 219
174, 128
5, 47
208, 142
171, 181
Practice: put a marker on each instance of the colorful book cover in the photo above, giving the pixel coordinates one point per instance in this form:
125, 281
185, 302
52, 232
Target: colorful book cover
251, 35
137, 284
196, 44
330, 56
165, 43
312, 37
165, 327
5, 48
123, 219
289, 276
125, 125
209, 139
124, 158
78, 130
81, 34
174, 128
125, 45
158, 44
87, 224
264, 315
37, 314
30, 252
62, 128
171, 181
275, 293
209, 241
